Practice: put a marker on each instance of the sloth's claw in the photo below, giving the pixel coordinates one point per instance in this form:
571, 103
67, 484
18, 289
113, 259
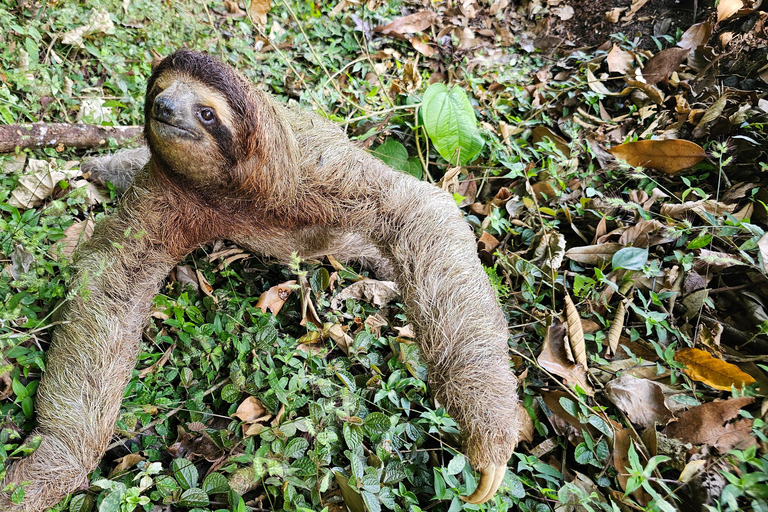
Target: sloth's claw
490, 481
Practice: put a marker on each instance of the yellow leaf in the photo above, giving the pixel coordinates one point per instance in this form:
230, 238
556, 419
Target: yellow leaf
727, 8
669, 156
715, 373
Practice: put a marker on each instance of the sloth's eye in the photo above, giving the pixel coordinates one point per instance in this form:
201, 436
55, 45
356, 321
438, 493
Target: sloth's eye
207, 115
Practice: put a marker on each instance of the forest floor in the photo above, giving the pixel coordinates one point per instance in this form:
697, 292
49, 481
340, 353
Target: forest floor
618, 192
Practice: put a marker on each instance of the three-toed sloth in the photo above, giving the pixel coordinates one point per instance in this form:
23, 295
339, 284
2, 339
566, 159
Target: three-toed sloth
228, 161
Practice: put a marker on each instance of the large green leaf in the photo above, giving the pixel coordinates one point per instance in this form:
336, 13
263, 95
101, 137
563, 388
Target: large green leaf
395, 155
451, 124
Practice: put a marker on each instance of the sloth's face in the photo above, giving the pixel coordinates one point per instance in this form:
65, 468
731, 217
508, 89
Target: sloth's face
189, 127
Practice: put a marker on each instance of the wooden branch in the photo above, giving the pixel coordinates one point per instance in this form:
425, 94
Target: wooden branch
83, 136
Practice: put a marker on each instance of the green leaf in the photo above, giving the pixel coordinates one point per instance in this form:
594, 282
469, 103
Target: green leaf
230, 393
295, 448
215, 483
194, 498
630, 258
456, 465
377, 422
451, 124
81, 503
516, 487
185, 472
393, 154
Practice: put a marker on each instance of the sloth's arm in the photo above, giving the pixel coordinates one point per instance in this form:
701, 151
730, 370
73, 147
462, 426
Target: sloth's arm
91, 358
118, 168
459, 324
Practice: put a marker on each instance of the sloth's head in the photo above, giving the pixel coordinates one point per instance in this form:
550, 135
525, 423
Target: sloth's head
204, 122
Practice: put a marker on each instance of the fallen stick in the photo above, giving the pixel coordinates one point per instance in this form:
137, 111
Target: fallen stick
82, 136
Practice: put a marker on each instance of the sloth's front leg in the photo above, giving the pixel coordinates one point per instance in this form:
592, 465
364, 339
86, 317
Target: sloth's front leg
459, 324
118, 168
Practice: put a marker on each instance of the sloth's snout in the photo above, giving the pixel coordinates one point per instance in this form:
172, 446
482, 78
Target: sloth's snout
164, 109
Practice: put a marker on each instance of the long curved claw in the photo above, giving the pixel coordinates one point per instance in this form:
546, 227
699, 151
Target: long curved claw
490, 481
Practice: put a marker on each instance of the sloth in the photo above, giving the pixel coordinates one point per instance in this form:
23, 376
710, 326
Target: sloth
227, 161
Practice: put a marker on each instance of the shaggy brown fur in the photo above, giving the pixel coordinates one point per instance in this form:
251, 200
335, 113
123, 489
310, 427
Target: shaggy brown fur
227, 161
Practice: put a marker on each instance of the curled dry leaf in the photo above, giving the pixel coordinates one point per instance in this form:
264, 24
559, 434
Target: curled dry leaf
642, 400
32, 189
274, 298
575, 332
669, 156
597, 255
614, 333
715, 373
553, 358
702, 208
727, 8
251, 409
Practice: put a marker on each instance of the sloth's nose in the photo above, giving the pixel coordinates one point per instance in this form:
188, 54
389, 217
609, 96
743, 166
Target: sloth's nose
164, 109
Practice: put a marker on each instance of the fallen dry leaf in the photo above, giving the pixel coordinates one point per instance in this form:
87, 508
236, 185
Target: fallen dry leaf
540, 133
553, 358
599, 254
696, 35
614, 333
663, 64
32, 189
575, 332
98, 22
274, 298
710, 424
669, 156
78, 232
619, 60
416, 22
727, 8
378, 293
251, 409
257, 11
715, 373
642, 400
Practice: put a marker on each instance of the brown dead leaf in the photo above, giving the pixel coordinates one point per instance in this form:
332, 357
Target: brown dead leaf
125, 463
540, 133
378, 293
654, 93
77, 233
663, 64
696, 35
714, 261
727, 8
597, 255
642, 400
619, 60
553, 358
32, 189
711, 115
715, 373
614, 333
710, 424
416, 22
251, 409
669, 156
339, 335
575, 332
257, 11
701, 207
487, 242
274, 298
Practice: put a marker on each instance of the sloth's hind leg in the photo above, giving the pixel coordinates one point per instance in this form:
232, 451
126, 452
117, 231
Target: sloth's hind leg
118, 168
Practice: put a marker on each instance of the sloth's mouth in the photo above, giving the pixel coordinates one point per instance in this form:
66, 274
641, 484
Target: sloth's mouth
173, 129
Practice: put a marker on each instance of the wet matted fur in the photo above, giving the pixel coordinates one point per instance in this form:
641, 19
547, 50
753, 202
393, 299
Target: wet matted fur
228, 161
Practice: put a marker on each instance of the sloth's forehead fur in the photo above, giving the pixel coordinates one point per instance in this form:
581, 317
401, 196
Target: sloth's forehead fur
204, 95
229, 86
